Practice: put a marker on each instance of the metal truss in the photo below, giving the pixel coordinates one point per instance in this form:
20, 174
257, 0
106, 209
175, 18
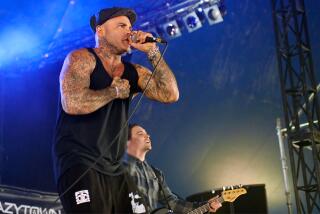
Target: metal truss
300, 101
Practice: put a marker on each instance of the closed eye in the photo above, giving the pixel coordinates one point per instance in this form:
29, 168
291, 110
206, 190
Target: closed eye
122, 25
141, 133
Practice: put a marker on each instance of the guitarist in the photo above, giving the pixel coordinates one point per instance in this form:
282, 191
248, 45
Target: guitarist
150, 181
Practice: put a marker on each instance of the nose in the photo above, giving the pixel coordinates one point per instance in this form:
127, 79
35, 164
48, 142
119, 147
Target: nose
129, 31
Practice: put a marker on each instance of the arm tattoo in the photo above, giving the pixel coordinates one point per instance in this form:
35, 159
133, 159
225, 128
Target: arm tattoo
163, 86
76, 97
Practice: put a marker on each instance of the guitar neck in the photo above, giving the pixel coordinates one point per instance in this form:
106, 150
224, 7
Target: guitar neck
204, 208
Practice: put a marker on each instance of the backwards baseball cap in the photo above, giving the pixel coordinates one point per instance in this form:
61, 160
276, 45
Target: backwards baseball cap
108, 13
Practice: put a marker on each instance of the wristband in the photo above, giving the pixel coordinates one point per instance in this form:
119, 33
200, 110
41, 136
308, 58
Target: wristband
117, 91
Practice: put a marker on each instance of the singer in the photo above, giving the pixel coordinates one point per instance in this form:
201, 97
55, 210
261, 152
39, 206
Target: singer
96, 88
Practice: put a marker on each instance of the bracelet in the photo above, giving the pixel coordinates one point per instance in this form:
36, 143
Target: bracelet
153, 52
117, 91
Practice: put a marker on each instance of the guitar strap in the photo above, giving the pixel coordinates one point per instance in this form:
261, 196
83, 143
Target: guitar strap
158, 175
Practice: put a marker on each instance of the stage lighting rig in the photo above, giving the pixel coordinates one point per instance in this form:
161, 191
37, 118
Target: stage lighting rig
168, 19
192, 22
173, 19
171, 29
213, 14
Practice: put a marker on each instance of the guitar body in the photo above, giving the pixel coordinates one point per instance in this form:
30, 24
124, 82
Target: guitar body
161, 210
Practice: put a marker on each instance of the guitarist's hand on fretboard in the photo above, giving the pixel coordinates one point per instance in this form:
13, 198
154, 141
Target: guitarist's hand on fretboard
214, 204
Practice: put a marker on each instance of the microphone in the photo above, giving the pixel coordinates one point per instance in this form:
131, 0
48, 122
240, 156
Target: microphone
148, 39
154, 39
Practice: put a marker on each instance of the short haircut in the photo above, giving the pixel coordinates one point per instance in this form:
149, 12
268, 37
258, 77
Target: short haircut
130, 129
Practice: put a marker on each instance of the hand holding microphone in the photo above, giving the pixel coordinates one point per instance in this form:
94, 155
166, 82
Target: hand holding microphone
144, 41
148, 39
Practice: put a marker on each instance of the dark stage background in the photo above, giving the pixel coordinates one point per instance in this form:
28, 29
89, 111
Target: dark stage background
221, 131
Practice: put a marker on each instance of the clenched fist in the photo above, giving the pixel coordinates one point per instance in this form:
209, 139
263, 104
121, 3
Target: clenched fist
123, 87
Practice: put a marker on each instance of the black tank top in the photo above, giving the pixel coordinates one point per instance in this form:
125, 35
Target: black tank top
81, 139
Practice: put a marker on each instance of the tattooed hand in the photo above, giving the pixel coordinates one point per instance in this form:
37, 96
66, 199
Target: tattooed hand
123, 87
138, 38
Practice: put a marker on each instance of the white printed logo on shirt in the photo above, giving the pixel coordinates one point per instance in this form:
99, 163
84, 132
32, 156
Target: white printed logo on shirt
82, 196
136, 206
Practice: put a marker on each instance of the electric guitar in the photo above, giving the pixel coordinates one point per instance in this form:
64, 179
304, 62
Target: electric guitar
226, 196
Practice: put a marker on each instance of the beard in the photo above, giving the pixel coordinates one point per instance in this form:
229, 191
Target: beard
117, 50
148, 148
113, 47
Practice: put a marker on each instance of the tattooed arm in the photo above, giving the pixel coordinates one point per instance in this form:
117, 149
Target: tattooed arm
76, 97
163, 85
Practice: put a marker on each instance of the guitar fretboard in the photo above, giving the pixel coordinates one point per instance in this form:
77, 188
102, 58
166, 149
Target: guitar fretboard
204, 208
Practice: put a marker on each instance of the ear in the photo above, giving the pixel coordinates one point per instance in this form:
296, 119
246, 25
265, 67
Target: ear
99, 30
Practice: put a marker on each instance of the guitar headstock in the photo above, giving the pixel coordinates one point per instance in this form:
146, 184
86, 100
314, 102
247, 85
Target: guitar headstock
233, 194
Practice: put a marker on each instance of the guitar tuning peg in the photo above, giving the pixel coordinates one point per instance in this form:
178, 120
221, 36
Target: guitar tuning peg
223, 188
213, 191
240, 185
231, 187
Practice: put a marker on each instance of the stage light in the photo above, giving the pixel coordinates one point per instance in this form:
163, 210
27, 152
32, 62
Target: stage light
199, 9
213, 14
172, 29
192, 22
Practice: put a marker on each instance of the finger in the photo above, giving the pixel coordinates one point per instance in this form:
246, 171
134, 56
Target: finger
134, 37
125, 82
135, 45
137, 37
127, 93
149, 35
143, 35
127, 88
140, 34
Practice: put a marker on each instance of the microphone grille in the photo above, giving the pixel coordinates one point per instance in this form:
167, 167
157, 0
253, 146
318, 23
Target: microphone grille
134, 38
